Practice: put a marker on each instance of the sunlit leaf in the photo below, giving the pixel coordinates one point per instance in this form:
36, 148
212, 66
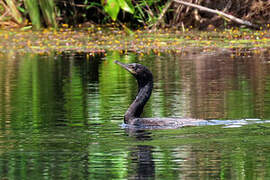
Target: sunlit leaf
26, 28
112, 8
126, 5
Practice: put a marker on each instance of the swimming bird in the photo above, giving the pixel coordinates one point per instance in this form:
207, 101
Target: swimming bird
132, 117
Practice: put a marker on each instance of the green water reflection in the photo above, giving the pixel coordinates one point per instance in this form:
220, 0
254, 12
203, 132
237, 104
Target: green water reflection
60, 117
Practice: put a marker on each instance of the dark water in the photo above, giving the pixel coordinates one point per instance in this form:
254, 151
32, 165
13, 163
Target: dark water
61, 116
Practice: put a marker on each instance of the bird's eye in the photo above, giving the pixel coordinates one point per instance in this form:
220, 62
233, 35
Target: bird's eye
133, 67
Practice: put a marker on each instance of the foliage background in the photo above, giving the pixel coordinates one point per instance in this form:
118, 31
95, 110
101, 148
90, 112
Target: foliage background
134, 13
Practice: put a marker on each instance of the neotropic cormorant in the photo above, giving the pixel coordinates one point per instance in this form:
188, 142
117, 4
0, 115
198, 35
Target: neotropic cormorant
144, 79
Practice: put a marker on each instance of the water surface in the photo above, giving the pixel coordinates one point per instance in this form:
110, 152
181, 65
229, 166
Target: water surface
61, 116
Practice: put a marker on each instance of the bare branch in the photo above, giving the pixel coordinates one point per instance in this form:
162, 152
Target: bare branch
167, 5
235, 19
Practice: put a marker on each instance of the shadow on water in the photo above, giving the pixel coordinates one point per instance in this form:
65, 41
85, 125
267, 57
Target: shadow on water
60, 116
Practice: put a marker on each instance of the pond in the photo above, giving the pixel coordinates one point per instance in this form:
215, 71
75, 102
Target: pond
61, 116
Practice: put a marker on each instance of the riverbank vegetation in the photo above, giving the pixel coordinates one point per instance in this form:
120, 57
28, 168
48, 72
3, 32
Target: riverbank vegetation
126, 25
151, 14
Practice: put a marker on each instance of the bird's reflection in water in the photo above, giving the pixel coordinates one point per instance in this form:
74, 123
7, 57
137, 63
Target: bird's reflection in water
139, 134
141, 156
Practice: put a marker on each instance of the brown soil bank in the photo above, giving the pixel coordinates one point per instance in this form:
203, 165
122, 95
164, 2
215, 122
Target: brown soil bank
255, 11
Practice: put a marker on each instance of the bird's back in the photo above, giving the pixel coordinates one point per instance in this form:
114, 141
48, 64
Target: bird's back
166, 123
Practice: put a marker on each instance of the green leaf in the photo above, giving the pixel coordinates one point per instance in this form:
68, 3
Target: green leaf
126, 5
21, 9
25, 28
48, 11
112, 8
32, 7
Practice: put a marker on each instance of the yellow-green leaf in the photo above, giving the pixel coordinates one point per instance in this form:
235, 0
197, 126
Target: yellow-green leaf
112, 8
126, 5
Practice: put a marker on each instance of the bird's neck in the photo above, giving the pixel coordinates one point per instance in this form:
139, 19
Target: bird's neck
136, 108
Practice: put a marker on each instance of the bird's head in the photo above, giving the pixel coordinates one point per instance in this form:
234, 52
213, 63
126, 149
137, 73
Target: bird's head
140, 72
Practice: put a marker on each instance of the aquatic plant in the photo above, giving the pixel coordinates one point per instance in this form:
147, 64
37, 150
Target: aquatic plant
97, 39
